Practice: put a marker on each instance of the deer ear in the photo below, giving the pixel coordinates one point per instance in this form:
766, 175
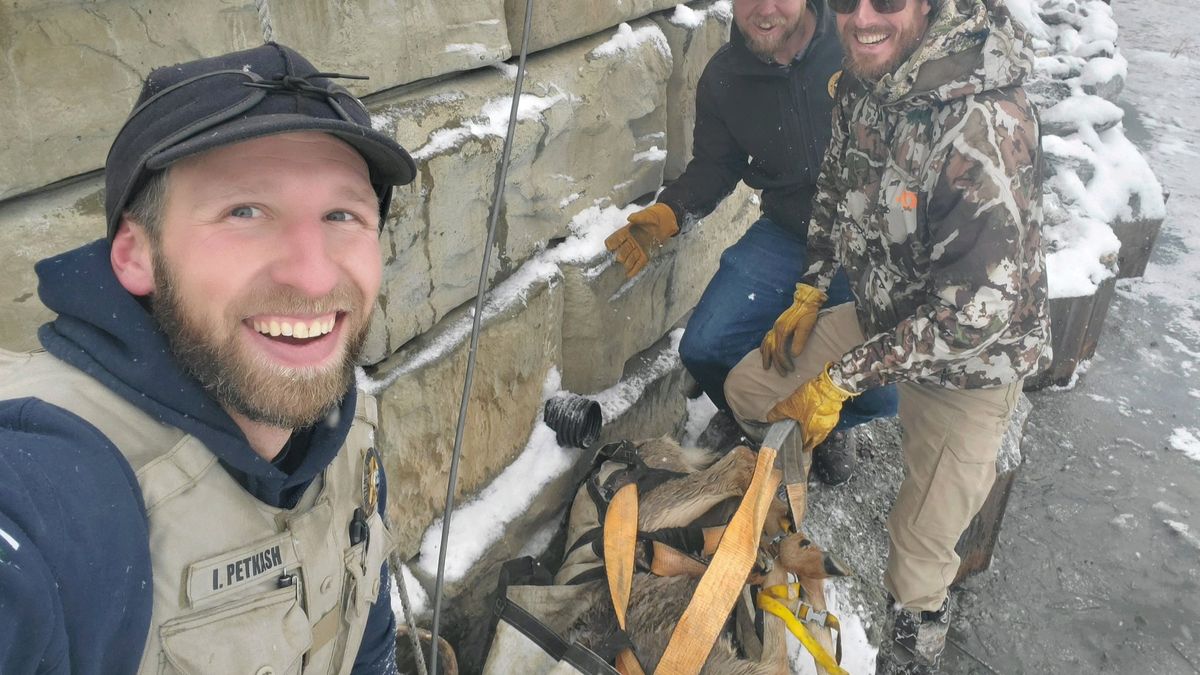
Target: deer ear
131, 257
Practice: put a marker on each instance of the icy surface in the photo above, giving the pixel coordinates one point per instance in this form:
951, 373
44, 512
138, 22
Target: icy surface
686, 17
1186, 440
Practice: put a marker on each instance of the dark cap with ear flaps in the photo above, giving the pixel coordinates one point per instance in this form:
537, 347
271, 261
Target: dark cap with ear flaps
196, 106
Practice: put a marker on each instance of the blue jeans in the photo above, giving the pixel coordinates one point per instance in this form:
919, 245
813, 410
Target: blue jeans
752, 287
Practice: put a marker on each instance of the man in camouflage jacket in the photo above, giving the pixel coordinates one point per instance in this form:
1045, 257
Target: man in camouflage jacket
930, 197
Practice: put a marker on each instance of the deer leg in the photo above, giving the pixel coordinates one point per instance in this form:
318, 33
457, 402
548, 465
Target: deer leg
774, 659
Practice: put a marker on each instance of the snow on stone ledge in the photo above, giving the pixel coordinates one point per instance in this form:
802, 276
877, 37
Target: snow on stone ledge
627, 39
686, 17
1099, 177
589, 228
491, 121
477, 524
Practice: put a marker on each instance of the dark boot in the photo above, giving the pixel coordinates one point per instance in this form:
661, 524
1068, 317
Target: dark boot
834, 458
916, 643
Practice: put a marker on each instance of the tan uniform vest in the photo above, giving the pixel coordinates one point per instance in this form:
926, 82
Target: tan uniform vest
239, 586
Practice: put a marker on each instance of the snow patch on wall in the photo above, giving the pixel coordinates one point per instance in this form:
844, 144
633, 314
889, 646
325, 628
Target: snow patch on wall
686, 17
492, 121
627, 39
418, 599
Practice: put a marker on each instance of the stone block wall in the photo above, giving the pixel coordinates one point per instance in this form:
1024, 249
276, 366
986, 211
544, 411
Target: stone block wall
73, 69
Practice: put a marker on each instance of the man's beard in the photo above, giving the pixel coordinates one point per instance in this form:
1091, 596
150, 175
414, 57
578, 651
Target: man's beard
239, 379
765, 49
908, 39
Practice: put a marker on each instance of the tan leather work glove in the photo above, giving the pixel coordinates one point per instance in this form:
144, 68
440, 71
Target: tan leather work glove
787, 338
816, 405
645, 233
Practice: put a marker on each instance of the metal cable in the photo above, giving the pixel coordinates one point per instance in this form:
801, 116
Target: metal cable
497, 198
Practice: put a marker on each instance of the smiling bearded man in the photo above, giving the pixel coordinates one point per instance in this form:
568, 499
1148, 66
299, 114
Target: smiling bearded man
281, 352
775, 30
877, 42
188, 476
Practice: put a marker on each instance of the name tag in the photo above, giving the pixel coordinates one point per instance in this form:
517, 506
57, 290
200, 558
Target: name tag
243, 567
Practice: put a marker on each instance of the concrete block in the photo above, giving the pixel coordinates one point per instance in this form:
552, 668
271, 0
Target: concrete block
978, 542
1101, 77
419, 390
607, 318
694, 33
1075, 325
1137, 243
580, 140
554, 23
74, 68
36, 227
393, 43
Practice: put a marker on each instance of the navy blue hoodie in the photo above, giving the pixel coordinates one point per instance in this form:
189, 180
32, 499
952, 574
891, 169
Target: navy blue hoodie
75, 586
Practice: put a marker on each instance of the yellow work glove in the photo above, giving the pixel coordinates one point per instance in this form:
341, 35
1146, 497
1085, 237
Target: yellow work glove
816, 405
645, 233
790, 333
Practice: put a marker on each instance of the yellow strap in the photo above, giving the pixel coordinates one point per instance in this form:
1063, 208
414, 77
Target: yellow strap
620, 538
768, 603
722, 583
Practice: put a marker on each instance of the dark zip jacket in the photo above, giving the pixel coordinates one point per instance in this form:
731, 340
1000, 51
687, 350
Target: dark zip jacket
763, 123
75, 586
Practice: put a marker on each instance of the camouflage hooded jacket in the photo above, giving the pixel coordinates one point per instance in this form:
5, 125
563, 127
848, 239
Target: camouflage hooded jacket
930, 196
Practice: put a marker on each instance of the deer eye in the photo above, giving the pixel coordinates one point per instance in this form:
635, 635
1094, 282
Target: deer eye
805, 542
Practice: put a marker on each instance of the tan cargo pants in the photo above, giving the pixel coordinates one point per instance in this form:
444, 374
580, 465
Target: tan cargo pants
949, 437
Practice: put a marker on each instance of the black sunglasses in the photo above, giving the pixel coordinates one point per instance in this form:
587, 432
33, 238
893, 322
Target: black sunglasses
880, 6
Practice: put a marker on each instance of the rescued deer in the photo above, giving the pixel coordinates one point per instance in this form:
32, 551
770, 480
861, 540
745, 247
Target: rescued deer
657, 602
